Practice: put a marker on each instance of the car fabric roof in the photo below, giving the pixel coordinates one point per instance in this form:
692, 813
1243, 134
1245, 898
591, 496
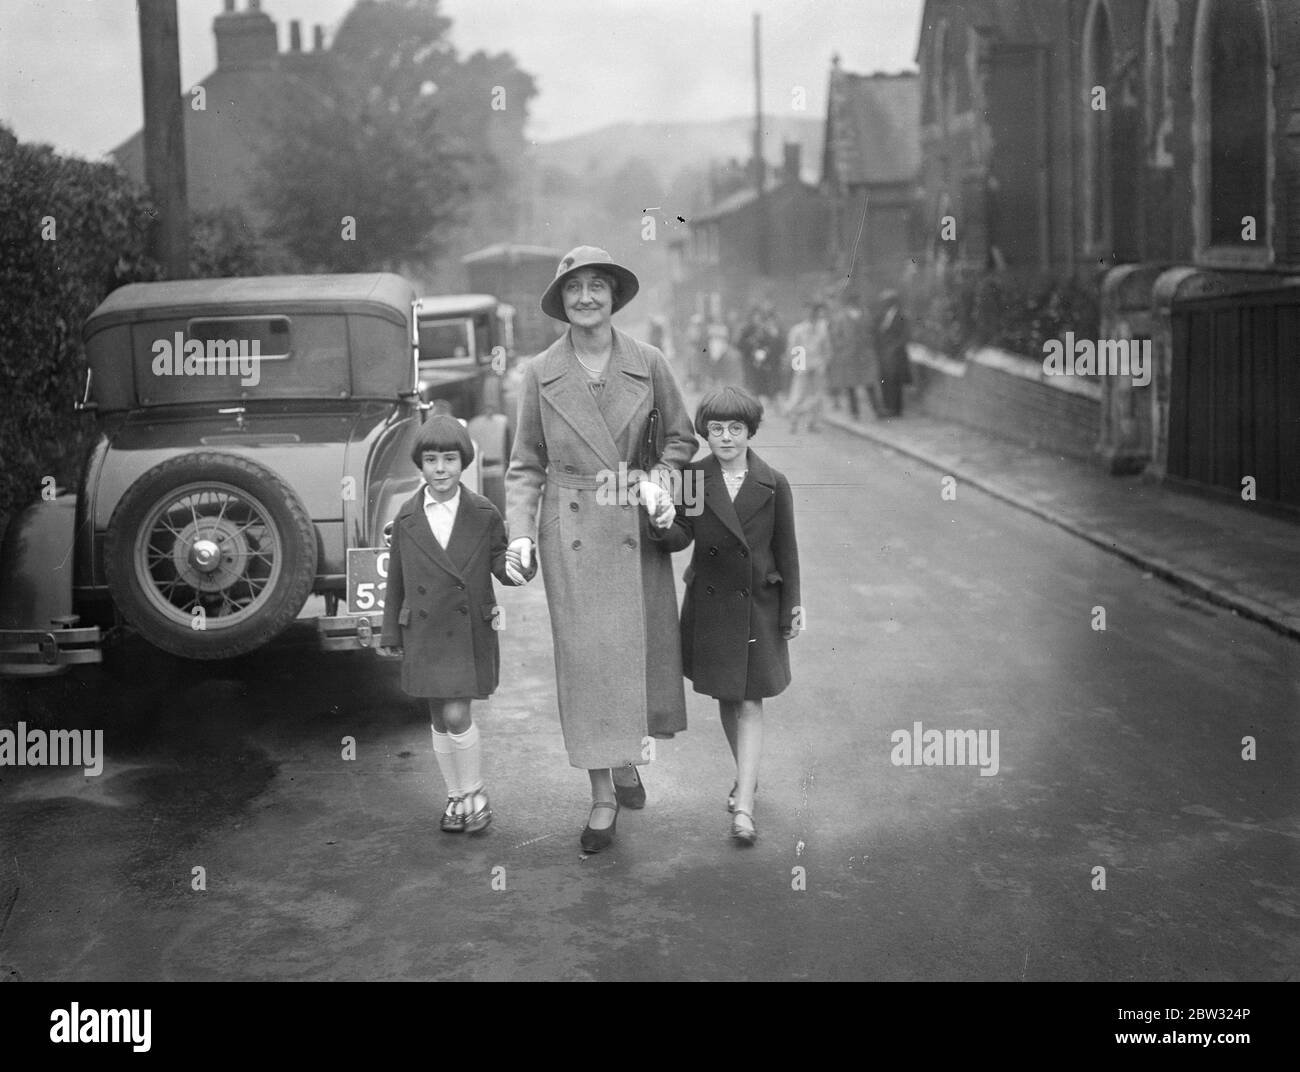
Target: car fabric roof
374, 292
455, 304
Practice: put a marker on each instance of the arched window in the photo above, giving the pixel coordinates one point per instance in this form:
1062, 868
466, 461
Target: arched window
1235, 76
1156, 91
956, 71
1098, 65
933, 75
940, 82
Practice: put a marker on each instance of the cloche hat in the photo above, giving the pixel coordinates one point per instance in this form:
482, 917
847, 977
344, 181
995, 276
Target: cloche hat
588, 257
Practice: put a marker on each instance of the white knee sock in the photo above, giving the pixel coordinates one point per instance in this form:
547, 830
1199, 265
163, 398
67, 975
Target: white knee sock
442, 752
465, 754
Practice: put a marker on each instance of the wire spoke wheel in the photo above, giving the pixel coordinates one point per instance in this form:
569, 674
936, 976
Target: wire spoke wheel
216, 534
211, 546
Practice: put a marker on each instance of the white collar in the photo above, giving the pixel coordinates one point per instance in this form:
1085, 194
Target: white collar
451, 504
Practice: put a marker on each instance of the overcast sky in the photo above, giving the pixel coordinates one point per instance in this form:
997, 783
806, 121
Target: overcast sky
69, 69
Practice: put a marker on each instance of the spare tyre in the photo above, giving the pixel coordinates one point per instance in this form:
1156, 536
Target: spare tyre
210, 555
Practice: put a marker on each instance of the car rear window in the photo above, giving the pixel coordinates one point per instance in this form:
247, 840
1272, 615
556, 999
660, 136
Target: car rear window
218, 358
270, 334
445, 340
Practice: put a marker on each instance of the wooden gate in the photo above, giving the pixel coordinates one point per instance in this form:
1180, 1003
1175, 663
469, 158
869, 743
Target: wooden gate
1234, 393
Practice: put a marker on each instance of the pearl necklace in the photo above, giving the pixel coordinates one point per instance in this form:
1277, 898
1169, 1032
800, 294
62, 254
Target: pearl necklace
595, 372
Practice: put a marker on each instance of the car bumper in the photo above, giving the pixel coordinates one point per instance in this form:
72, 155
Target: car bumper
44, 652
350, 632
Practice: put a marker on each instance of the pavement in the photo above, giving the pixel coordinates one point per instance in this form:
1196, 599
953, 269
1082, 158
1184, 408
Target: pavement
1233, 555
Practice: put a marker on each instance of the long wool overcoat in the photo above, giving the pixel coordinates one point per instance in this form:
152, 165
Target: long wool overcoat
742, 586
439, 606
612, 598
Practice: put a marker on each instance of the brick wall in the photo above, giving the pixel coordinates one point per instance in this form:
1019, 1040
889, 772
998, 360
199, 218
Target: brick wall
1062, 415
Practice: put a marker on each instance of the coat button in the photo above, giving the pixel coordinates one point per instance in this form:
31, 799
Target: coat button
577, 544
630, 543
424, 614
709, 589
743, 592
573, 506
744, 553
463, 609
568, 469
459, 588
713, 551
420, 589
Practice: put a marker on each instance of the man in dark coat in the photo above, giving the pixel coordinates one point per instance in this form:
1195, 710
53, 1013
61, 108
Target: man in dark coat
893, 333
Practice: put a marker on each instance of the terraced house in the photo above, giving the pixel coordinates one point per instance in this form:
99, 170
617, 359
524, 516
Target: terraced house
1146, 152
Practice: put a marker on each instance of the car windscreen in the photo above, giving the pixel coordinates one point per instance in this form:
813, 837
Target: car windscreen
447, 340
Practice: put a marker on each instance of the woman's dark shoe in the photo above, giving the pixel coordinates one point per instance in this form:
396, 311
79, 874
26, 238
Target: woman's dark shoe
595, 840
631, 796
453, 817
744, 833
478, 811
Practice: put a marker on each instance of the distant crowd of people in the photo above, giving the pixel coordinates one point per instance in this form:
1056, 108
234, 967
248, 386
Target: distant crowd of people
838, 353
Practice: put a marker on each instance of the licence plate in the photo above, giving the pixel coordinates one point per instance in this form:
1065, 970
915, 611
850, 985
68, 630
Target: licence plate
367, 578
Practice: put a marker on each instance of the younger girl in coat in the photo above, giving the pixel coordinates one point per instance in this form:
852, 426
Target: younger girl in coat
439, 611
742, 586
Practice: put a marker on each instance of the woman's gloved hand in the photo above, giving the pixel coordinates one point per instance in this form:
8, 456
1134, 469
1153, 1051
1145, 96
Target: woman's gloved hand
658, 504
521, 566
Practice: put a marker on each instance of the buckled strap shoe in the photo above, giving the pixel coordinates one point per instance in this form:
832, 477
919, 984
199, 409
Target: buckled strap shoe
478, 811
453, 816
743, 835
595, 840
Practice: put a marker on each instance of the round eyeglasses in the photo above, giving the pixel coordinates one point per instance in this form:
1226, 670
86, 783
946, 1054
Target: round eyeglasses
735, 429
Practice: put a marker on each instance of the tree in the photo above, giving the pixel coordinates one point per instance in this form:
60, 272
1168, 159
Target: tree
379, 156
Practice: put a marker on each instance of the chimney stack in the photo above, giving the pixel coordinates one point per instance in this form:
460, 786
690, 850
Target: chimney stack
318, 37
245, 38
295, 36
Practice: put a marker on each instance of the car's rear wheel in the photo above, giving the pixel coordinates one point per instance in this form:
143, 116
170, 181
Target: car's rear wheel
210, 556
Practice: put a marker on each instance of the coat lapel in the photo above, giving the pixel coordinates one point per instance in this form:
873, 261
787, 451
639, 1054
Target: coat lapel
417, 529
757, 490
717, 499
627, 384
468, 531
565, 386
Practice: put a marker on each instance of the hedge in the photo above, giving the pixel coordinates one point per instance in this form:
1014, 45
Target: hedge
70, 232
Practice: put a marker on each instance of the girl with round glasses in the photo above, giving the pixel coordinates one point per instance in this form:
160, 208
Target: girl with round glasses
742, 586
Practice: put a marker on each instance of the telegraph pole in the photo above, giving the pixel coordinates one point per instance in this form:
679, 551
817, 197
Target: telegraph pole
164, 134
759, 168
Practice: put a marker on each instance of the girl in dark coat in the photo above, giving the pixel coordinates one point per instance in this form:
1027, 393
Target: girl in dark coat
742, 586
440, 614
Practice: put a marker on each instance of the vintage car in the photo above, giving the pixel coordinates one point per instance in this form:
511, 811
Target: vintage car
253, 449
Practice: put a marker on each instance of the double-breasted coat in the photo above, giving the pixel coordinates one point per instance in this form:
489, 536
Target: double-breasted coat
742, 586
610, 591
439, 606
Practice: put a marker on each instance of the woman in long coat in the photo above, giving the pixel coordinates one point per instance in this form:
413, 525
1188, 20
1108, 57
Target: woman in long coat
583, 412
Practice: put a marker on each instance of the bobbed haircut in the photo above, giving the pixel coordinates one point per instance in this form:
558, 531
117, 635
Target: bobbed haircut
728, 404
442, 432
